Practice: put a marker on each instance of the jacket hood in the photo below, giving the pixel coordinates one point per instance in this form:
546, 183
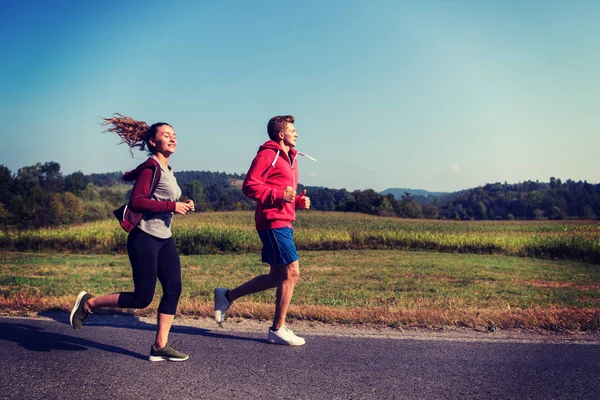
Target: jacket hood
135, 173
273, 145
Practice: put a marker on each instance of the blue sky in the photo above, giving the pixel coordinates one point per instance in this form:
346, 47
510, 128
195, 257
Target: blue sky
436, 95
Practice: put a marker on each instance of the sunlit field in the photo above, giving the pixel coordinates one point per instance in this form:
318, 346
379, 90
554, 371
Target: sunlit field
391, 288
355, 269
233, 232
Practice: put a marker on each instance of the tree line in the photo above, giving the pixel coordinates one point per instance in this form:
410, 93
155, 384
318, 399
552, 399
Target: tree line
40, 195
528, 200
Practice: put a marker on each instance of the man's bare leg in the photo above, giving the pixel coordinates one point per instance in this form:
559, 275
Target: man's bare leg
290, 274
258, 284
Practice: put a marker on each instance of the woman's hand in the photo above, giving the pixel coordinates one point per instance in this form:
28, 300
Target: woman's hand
191, 204
182, 208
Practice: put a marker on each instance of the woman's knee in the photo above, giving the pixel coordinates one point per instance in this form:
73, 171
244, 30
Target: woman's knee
172, 289
175, 292
142, 301
170, 301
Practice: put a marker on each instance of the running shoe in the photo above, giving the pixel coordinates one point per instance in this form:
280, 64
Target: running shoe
284, 336
79, 313
221, 304
168, 353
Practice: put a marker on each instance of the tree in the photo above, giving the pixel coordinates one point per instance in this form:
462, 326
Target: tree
430, 211
94, 211
74, 209
55, 212
368, 201
226, 202
557, 213
538, 214
196, 193
387, 206
112, 197
341, 197
3, 215
26, 179
5, 185
480, 210
588, 213
409, 207
76, 182
89, 193
51, 178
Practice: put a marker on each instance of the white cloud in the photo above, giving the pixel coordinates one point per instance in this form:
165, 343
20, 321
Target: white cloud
455, 168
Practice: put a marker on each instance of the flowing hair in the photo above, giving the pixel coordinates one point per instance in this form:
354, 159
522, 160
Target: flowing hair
132, 132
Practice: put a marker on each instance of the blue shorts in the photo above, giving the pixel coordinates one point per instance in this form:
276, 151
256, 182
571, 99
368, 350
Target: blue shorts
278, 246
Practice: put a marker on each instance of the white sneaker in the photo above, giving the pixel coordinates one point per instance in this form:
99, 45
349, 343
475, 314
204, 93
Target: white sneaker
285, 336
221, 304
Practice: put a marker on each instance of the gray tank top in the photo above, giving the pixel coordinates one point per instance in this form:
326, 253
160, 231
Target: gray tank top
167, 189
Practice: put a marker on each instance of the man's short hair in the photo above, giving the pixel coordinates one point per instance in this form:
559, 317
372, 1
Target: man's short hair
278, 124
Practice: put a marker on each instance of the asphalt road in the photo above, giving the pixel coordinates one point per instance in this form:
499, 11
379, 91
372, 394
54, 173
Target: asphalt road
46, 359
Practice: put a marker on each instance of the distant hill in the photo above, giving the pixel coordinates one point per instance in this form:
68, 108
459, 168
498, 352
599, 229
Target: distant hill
399, 192
40, 195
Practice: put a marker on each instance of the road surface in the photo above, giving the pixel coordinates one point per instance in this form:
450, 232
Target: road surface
43, 358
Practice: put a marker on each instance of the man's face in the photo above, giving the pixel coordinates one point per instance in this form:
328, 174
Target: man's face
289, 135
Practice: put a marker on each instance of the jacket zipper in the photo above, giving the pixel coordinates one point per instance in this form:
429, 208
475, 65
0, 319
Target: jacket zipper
293, 174
293, 160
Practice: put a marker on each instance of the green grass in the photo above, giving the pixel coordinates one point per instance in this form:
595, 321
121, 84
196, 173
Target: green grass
356, 269
233, 232
379, 287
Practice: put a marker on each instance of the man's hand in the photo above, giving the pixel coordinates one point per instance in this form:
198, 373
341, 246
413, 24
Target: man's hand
304, 201
289, 194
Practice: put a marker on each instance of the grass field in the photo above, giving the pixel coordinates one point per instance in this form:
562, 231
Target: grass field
233, 232
356, 269
375, 287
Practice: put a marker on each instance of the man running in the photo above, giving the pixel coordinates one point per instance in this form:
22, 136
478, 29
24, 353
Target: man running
271, 182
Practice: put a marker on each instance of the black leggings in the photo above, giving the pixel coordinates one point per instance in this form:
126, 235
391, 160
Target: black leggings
152, 258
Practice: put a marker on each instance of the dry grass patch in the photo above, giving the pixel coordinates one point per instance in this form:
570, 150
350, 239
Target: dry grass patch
374, 287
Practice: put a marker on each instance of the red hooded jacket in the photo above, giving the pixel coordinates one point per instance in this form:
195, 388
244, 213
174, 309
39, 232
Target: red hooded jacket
271, 172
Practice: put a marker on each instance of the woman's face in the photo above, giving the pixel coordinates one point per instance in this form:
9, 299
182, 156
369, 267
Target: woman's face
165, 141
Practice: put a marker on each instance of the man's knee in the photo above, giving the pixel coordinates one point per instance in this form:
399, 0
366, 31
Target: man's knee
292, 271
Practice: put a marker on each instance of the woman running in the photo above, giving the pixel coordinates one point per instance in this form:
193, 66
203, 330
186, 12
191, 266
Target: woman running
150, 244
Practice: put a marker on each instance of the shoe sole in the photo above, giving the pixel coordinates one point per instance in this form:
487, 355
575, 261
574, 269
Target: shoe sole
77, 303
161, 358
282, 343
